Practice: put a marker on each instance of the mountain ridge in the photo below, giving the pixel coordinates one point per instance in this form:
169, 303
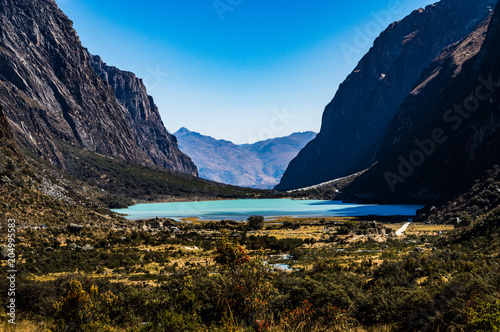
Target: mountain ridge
257, 165
450, 99
143, 117
371, 95
51, 93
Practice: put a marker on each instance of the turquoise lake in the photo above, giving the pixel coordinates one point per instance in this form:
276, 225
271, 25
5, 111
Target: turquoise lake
241, 209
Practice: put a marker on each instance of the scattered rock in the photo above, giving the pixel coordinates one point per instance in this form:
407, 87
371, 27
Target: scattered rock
74, 228
4, 251
87, 247
50, 189
6, 179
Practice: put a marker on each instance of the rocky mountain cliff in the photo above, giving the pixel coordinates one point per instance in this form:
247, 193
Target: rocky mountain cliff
354, 122
143, 117
258, 165
53, 96
447, 131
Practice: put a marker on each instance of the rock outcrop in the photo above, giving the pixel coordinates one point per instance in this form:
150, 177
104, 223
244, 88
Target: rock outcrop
52, 94
354, 122
143, 117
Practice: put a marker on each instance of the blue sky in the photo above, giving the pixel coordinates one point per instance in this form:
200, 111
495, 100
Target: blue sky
241, 70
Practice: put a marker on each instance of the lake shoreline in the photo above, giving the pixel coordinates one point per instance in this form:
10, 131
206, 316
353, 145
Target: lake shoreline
241, 209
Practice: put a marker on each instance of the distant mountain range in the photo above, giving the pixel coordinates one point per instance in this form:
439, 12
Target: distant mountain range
258, 165
419, 113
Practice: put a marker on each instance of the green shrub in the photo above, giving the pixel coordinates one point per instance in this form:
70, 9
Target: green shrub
255, 222
485, 317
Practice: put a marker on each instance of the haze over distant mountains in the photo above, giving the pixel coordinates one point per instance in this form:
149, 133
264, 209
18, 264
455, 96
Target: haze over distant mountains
258, 165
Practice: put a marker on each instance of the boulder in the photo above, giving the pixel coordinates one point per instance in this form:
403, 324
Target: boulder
87, 247
4, 251
74, 228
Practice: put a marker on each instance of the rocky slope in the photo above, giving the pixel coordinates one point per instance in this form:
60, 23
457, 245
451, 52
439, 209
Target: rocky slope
6, 136
354, 122
35, 193
447, 132
143, 117
52, 95
258, 165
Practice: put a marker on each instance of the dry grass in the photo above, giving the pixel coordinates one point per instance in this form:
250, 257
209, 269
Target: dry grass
304, 232
24, 326
424, 228
30, 326
379, 328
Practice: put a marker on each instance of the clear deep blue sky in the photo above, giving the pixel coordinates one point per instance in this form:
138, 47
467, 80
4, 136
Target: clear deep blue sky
226, 68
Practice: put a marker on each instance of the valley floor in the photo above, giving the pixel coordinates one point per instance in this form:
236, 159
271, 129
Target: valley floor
301, 274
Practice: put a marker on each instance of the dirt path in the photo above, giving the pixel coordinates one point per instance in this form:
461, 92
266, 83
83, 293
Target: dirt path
400, 231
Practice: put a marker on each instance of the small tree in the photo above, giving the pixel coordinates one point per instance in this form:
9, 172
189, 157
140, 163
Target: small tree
245, 287
230, 254
255, 222
84, 311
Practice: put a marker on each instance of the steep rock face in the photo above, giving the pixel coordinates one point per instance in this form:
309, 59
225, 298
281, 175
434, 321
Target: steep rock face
143, 117
51, 93
434, 81
354, 122
451, 118
258, 165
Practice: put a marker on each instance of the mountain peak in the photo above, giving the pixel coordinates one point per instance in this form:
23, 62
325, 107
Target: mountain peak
183, 130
